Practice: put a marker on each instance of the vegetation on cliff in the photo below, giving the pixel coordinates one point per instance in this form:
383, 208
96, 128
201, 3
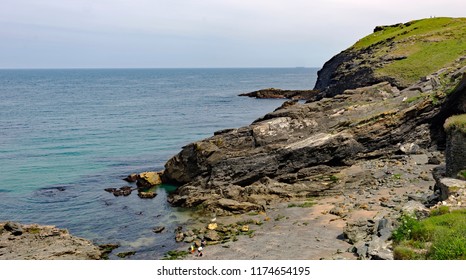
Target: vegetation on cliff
457, 122
400, 54
439, 237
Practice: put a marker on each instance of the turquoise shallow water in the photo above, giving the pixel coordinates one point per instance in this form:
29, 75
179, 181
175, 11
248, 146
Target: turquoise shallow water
65, 135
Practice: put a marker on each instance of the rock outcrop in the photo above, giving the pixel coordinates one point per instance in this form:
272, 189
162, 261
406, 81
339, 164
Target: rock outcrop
282, 93
287, 153
36, 242
399, 54
298, 150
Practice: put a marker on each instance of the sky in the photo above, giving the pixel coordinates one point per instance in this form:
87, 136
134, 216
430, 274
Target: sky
195, 33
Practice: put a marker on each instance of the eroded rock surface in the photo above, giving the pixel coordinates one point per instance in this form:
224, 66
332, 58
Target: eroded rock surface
36, 242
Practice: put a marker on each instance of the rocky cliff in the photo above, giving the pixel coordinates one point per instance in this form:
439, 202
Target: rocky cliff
367, 110
400, 54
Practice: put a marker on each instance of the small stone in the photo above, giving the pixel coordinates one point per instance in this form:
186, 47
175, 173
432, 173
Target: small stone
212, 226
212, 235
245, 228
179, 237
131, 178
158, 229
188, 239
147, 194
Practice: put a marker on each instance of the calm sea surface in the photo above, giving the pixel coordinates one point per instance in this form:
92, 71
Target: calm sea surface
65, 135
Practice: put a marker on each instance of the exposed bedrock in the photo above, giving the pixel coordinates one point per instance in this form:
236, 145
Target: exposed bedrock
288, 152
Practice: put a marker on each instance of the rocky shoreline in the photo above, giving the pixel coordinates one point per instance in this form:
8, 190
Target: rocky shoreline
327, 179
39, 242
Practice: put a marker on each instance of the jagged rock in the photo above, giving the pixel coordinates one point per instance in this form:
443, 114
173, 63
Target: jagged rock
410, 148
123, 191
212, 235
287, 153
131, 178
179, 237
416, 208
280, 93
450, 186
358, 230
236, 206
148, 195
149, 179
384, 229
39, 242
455, 153
378, 249
15, 228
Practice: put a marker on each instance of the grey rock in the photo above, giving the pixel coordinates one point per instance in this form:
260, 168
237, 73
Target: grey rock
212, 235
410, 148
450, 186
158, 229
416, 208
14, 228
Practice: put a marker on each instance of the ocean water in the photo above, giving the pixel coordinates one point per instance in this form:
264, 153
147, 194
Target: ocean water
66, 135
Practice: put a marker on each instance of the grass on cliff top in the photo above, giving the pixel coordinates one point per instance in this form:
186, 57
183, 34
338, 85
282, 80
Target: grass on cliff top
457, 122
427, 44
439, 237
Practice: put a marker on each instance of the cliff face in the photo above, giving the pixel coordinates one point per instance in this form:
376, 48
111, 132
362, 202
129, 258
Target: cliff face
301, 150
400, 54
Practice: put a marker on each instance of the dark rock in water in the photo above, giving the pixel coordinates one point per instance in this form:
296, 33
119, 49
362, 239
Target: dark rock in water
147, 194
280, 93
110, 190
126, 254
158, 229
106, 249
131, 178
123, 191
15, 228
126, 190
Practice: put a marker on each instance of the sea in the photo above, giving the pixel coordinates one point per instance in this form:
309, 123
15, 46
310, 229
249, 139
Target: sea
67, 134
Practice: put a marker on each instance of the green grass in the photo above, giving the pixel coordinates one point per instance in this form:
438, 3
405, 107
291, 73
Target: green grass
305, 204
175, 255
457, 122
427, 44
439, 237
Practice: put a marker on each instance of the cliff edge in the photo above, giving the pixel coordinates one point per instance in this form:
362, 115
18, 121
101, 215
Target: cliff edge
388, 94
400, 54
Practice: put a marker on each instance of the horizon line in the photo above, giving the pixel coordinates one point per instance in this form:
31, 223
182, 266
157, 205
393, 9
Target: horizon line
147, 68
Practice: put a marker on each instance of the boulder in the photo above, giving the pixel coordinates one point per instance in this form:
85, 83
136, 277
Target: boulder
131, 178
149, 179
212, 235
145, 195
450, 186
410, 148
14, 228
158, 229
212, 226
359, 230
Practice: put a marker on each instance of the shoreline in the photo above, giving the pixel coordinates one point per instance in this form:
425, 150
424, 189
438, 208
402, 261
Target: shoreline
286, 231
